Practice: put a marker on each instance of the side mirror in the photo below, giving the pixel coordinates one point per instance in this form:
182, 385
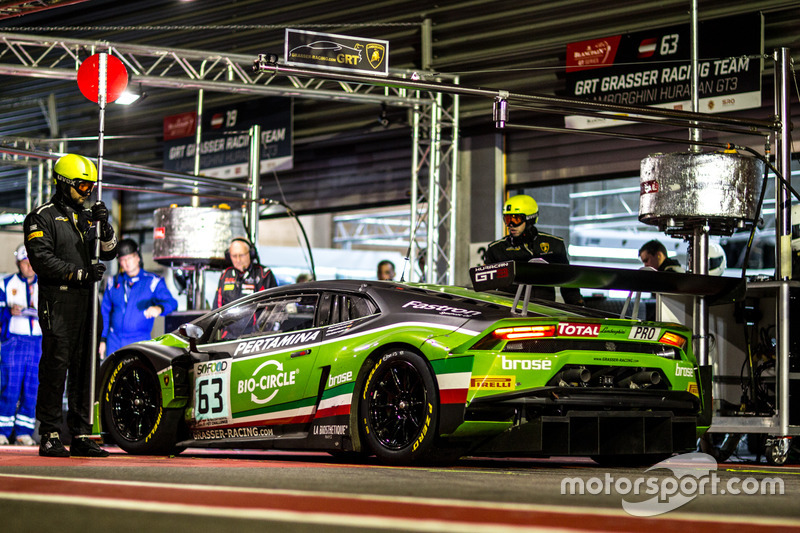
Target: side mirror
193, 332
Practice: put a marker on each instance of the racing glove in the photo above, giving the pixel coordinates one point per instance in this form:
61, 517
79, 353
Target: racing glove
100, 212
100, 216
92, 274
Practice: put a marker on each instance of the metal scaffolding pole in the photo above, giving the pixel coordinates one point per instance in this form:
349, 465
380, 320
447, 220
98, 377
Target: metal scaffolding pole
783, 230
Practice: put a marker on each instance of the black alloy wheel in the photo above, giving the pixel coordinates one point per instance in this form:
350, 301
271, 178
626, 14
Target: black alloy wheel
133, 412
399, 408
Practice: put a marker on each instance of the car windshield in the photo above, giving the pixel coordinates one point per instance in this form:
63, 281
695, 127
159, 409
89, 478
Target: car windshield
264, 317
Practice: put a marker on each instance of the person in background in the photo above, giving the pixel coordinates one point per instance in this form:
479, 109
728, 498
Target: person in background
386, 270
131, 301
60, 238
303, 277
653, 254
21, 350
245, 276
524, 242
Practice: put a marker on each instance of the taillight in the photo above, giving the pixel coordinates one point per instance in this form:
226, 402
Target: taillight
524, 332
672, 339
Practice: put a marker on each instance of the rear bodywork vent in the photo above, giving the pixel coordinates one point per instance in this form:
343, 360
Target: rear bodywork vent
555, 345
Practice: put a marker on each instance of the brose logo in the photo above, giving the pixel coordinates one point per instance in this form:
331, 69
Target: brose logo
684, 372
341, 378
267, 382
525, 364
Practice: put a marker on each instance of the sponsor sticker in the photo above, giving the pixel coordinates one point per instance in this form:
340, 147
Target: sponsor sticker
339, 379
211, 392
330, 429
269, 382
525, 364
578, 330
644, 333
262, 345
231, 433
493, 382
441, 309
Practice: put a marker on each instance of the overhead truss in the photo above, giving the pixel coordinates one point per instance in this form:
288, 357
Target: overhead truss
435, 130
178, 68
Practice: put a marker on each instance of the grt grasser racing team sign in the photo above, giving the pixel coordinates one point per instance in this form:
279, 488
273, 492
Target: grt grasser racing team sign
328, 51
653, 68
225, 143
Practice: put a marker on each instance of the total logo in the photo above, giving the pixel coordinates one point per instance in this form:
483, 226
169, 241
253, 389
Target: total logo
578, 330
267, 382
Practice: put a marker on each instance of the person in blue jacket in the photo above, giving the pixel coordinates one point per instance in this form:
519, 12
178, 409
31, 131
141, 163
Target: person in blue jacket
21, 351
131, 301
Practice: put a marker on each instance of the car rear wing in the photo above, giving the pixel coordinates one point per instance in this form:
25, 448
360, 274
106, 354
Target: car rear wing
505, 275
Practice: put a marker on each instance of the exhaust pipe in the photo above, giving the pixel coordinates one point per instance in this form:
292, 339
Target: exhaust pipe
645, 378
574, 375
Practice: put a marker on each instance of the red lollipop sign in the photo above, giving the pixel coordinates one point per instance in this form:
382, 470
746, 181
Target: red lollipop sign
89, 78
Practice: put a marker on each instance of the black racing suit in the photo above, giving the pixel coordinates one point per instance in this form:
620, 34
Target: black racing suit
670, 265
233, 284
60, 241
533, 243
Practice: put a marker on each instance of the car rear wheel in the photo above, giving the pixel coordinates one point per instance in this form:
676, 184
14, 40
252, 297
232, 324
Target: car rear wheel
399, 409
133, 412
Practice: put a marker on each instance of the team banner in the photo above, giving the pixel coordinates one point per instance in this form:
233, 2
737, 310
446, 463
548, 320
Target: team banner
653, 68
225, 143
328, 51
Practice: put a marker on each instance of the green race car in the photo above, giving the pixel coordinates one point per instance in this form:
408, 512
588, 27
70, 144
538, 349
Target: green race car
409, 373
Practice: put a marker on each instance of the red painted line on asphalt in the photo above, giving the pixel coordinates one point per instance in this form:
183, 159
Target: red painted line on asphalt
479, 514
195, 457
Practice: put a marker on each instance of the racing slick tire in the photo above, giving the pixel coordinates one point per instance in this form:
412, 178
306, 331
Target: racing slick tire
399, 409
133, 412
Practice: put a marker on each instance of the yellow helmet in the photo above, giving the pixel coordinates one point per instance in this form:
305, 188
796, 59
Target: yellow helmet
74, 168
521, 204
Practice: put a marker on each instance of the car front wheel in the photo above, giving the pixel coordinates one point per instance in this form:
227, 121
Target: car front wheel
133, 411
399, 408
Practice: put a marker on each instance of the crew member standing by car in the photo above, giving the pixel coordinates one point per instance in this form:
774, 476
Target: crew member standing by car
60, 238
21, 350
524, 242
653, 254
131, 301
246, 276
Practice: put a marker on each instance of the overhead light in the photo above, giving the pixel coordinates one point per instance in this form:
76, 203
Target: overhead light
131, 95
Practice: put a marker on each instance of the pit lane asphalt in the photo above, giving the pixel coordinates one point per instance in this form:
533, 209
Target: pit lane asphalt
495, 487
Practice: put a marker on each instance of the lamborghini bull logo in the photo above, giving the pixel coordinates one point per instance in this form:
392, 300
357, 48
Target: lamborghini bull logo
375, 54
267, 382
544, 247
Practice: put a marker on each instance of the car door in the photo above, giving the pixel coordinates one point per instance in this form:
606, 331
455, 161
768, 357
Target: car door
261, 356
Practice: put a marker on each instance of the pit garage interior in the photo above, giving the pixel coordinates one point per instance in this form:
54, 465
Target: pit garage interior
363, 185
